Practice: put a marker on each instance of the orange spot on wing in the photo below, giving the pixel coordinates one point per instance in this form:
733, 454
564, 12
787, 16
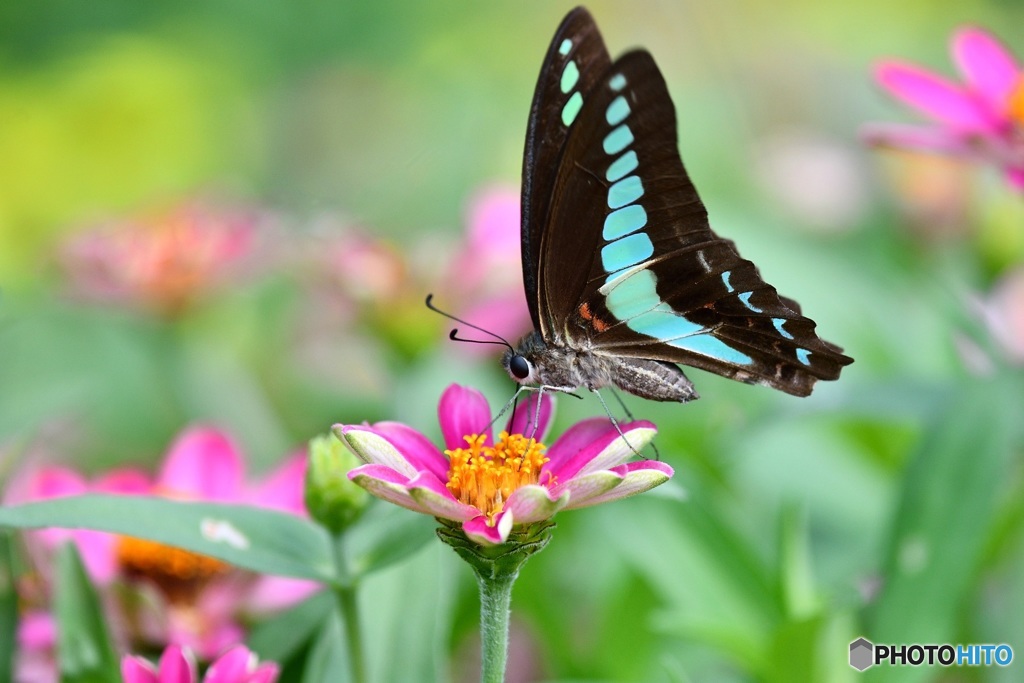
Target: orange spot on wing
595, 322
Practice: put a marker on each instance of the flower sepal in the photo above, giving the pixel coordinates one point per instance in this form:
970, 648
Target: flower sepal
501, 561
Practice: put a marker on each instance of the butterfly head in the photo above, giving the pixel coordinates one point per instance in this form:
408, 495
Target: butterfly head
521, 362
536, 362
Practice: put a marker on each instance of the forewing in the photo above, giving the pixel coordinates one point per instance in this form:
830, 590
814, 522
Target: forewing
575, 61
629, 265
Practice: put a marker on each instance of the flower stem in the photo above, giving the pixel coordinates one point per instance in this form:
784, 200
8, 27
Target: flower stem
346, 597
496, 568
495, 600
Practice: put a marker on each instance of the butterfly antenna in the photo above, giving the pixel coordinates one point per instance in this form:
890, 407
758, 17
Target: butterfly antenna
453, 335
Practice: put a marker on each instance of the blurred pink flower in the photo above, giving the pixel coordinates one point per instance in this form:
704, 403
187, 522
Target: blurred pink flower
177, 665
980, 119
164, 262
485, 277
195, 600
490, 486
36, 656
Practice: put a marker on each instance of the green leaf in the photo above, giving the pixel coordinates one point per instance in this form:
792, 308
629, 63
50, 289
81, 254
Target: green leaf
279, 637
8, 610
328, 661
84, 648
796, 579
410, 606
948, 500
258, 539
385, 535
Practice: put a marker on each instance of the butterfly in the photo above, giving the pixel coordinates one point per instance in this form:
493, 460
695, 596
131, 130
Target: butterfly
624, 276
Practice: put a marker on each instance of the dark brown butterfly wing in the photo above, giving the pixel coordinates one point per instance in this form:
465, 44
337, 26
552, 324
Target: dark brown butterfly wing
576, 59
628, 264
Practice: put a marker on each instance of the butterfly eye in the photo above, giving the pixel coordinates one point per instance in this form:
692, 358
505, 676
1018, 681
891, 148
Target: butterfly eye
519, 367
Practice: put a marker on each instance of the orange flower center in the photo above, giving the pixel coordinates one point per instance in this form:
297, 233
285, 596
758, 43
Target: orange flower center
179, 574
485, 476
1017, 103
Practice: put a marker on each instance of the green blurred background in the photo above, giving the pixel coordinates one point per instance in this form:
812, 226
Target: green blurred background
886, 505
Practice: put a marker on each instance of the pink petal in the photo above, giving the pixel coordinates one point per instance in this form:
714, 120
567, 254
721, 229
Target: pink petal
177, 666
595, 445
463, 411
232, 667
1015, 176
204, 464
374, 448
284, 487
936, 97
37, 630
480, 532
416, 448
55, 482
587, 486
264, 673
626, 480
203, 634
137, 670
988, 67
272, 593
577, 437
522, 420
532, 503
433, 496
494, 222
918, 138
127, 481
99, 554
385, 483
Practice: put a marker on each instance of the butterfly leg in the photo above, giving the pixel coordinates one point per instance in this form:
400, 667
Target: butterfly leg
615, 423
540, 394
629, 416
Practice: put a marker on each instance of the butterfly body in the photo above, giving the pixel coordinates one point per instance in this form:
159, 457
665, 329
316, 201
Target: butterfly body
560, 367
623, 274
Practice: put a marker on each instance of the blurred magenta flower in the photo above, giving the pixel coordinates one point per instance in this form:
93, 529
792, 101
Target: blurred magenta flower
192, 599
177, 665
485, 277
36, 656
490, 486
980, 119
164, 262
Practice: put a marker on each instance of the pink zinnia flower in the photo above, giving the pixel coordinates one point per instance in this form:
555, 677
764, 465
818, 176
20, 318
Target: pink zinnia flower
490, 486
177, 665
980, 119
163, 262
198, 600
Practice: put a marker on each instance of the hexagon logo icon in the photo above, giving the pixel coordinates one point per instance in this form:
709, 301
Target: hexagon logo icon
861, 651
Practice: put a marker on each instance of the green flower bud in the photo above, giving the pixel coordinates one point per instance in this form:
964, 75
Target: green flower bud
331, 499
